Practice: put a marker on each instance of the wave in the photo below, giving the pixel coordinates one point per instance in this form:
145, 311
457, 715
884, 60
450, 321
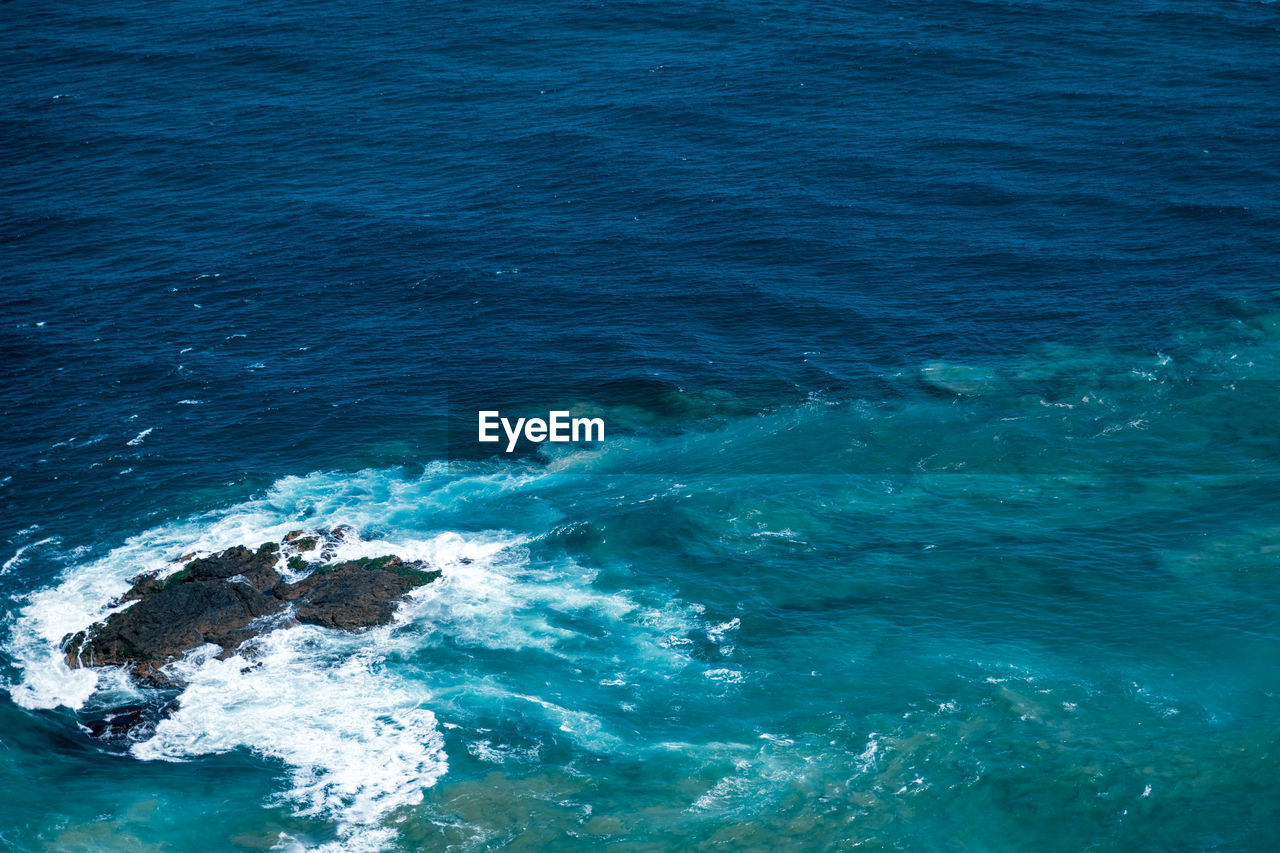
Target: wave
552, 633
354, 719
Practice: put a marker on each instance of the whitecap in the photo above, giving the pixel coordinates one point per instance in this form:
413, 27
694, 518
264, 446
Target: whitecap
355, 739
17, 556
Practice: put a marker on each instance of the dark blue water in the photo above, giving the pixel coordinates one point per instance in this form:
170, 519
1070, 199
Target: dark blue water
262, 265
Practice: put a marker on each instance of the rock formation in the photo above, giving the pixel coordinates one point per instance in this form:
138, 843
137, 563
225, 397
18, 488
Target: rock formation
232, 596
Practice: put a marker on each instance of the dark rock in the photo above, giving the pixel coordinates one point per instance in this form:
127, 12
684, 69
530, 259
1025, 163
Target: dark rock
355, 594
300, 541
128, 723
118, 723
173, 620
331, 539
132, 722
143, 585
256, 567
222, 599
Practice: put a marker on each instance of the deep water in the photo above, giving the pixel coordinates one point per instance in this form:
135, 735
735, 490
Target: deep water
938, 345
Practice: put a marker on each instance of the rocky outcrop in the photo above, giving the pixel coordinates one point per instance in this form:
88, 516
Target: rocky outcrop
234, 595
354, 594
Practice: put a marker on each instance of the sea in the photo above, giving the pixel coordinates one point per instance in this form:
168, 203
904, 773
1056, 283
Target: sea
937, 346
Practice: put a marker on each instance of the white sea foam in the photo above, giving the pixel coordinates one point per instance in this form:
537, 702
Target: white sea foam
140, 437
488, 751
726, 676
357, 740
18, 555
717, 633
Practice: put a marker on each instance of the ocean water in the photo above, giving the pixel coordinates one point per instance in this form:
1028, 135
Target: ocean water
938, 346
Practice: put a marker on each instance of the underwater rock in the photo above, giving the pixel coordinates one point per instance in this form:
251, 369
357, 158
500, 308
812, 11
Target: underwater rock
961, 379
232, 596
118, 723
128, 723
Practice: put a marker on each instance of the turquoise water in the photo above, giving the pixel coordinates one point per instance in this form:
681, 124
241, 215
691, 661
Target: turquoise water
1042, 612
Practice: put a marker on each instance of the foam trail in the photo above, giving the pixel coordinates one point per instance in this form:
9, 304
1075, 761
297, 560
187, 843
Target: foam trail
357, 741
17, 556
